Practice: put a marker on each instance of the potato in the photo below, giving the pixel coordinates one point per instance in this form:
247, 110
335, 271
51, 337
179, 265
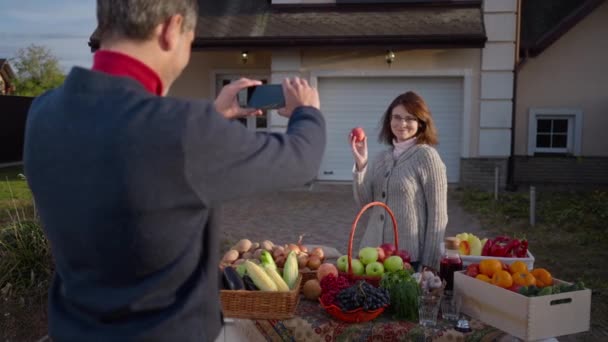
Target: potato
257, 253
267, 245
230, 256
243, 246
254, 246
247, 255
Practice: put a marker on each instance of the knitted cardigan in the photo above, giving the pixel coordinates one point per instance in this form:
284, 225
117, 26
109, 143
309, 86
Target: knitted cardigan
414, 187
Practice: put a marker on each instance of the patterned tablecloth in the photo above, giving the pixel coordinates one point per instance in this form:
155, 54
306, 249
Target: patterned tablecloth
312, 323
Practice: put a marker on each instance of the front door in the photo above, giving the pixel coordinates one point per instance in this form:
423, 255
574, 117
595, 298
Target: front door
259, 123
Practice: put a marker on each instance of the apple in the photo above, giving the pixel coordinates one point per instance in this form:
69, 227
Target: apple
464, 248
358, 133
381, 254
367, 255
374, 269
393, 263
472, 270
389, 248
515, 288
358, 268
342, 263
405, 256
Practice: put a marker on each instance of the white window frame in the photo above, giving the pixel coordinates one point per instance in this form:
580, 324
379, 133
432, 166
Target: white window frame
575, 129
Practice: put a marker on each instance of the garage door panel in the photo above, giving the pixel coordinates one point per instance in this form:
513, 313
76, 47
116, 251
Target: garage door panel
348, 102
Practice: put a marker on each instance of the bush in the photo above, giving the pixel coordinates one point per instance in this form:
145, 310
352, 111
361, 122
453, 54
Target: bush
25, 256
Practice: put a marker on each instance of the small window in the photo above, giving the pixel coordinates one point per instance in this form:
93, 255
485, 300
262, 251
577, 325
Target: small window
554, 130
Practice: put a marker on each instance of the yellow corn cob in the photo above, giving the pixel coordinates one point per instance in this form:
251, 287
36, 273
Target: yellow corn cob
260, 278
274, 275
290, 270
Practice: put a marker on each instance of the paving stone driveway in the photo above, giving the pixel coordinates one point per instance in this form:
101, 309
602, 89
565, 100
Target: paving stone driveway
324, 212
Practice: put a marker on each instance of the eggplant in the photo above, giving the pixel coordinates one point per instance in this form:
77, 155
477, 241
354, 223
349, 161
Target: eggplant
249, 284
232, 280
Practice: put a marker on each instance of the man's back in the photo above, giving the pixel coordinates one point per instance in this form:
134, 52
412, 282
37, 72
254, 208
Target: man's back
125, 183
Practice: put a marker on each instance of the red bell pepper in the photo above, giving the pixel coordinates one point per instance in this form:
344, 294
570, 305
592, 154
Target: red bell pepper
499, 247
522, 250
511, 248
487, 247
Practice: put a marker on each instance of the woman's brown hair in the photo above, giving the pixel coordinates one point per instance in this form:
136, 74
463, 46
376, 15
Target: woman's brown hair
414, 105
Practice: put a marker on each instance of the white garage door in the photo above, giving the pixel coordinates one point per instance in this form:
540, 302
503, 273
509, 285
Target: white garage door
348, 102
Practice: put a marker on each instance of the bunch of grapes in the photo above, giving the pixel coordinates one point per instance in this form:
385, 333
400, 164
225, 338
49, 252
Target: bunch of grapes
331, 286
364, 295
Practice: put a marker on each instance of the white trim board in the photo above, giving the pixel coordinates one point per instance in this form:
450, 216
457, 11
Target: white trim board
466, 74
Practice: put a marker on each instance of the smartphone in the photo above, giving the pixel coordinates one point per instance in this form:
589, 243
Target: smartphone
266, 97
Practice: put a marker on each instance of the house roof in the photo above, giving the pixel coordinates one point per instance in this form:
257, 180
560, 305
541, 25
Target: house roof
545, 21
254, 23
5, 69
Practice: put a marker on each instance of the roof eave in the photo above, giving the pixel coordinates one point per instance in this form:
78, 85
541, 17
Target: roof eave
420, 42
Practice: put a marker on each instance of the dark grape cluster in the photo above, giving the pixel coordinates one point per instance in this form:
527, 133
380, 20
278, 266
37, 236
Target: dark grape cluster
362, 295
331, 286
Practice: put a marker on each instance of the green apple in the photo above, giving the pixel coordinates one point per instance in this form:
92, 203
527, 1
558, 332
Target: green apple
342, 263
358, 268
393, 263
374, 269
367, 255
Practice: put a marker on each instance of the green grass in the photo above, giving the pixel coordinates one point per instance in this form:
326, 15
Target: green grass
570, 238
14, 192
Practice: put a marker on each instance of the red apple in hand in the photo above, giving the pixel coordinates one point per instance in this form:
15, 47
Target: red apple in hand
358, 134
389, 249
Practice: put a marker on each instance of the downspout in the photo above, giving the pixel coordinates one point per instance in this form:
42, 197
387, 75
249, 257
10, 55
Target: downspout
511, 186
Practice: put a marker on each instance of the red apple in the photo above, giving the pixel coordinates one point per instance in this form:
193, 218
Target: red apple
514, 288
472, 270
404, 255
389, 249
381, 254
358, 133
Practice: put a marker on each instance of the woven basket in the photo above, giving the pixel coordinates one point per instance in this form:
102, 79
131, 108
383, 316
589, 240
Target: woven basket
261, 304
353, 277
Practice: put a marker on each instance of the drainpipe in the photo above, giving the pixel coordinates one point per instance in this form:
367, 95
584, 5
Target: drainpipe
511, 186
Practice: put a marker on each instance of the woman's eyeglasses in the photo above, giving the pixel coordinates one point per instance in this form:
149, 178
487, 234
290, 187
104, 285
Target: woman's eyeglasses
407, 119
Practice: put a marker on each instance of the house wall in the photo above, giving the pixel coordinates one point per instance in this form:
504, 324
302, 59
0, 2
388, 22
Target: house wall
198, 79
571, 73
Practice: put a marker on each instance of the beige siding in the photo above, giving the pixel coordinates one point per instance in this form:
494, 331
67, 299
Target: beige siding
571, 73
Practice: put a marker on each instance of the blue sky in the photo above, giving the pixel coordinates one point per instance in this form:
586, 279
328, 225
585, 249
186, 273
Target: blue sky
64, 26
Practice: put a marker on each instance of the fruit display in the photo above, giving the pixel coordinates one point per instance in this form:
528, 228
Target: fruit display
501, 246
375, 261
518, 278
254, 251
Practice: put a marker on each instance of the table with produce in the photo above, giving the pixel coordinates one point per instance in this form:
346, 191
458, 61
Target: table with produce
486, 289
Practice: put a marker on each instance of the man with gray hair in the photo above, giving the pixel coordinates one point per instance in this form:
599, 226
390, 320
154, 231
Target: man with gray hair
127, 181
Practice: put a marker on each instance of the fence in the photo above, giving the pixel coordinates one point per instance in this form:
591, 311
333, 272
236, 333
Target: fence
13, 113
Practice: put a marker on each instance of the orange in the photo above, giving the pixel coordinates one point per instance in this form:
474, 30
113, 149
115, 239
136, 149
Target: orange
523, 279
489, 267
518, 266
484, 277
502, 279
543, 277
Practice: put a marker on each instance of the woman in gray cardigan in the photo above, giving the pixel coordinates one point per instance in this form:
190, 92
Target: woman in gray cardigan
409, 177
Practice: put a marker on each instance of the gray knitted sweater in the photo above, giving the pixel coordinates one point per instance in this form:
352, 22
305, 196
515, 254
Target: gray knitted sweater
414, 186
